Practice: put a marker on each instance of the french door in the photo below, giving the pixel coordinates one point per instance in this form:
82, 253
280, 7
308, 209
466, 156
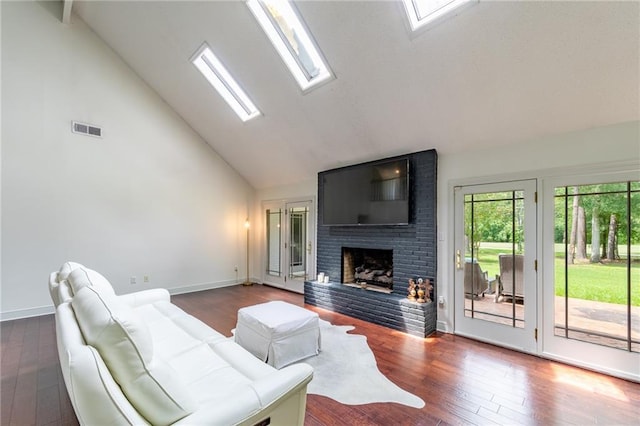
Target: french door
592, 277
495, 263
289, 252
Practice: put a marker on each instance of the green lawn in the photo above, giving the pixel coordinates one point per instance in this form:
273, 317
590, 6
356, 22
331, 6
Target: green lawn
604, 282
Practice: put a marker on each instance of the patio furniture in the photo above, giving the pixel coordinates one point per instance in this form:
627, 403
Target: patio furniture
476, 281
511, 279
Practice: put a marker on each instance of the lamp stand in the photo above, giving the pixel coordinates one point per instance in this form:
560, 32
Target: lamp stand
247, 281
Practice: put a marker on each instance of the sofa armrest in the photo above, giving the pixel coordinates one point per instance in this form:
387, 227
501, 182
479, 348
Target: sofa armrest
145, 297
94, 394
281, 382
53, 289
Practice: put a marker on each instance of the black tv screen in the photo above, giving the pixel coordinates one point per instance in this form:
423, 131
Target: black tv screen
366, 194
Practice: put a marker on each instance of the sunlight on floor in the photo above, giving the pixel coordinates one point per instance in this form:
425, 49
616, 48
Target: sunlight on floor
590, 383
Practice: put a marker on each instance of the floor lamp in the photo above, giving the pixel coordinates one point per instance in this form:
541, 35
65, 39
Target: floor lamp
246, 225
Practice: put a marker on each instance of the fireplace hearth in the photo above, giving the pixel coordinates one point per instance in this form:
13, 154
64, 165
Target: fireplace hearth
367, 266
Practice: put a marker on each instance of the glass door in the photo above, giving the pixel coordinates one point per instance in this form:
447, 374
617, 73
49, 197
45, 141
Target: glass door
592, 284
495, 261
298, 241
289, 250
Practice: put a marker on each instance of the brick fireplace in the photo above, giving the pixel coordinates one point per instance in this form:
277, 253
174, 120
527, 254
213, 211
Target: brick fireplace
413, 248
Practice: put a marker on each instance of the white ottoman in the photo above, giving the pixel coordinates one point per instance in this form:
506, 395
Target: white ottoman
278, 333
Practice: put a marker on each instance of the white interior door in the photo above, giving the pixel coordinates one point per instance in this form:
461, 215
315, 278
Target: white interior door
495, 263
289, 252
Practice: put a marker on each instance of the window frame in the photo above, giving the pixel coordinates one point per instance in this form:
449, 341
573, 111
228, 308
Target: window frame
280, 42
217, 75
417, 22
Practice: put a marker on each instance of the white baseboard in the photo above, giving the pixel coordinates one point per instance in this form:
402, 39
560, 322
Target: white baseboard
623, 374
442, 326
46, 310
26, 313
207, 286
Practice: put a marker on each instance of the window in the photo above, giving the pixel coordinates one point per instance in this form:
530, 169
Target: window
422, 12
597, 264
218, 76
282, 24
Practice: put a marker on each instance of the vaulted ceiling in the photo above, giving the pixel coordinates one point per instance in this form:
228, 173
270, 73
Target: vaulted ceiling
497, 73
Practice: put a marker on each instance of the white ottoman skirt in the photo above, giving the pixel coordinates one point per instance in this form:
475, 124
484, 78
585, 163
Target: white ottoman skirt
278, 333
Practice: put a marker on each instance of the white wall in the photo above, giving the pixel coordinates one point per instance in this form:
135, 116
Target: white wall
304, 188
560, 155
149, 198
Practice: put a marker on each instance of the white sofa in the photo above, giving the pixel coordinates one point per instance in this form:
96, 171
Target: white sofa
138, 359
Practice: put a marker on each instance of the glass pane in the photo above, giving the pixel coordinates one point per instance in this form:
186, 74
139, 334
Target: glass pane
603, 187
425, 8
494, 196
597, 274
421, 12
273, 242
218, 76
560, 252
493, 263
286, 31
297, 244
634, 256
292, 30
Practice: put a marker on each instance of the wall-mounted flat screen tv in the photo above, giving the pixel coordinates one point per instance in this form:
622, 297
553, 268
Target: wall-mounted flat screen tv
374, 193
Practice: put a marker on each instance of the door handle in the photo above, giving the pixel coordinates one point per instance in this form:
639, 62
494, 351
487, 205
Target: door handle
458, 260
309, 247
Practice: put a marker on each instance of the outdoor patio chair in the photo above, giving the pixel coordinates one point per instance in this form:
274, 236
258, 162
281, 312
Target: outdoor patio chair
506, 285
475, 280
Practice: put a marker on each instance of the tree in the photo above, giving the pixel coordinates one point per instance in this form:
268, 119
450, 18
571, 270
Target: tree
574, 225
581, 235
612, 240
492, 219
617, 211
595, 235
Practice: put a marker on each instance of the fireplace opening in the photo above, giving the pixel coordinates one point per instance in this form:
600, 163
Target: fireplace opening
372, 267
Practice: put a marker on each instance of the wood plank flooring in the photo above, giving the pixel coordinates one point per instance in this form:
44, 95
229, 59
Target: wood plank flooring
461, 381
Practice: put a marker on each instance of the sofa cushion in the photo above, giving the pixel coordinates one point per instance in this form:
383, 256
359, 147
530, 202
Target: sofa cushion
66, 269
124, 342
85, 277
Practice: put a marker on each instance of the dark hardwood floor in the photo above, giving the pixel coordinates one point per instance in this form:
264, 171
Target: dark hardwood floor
462, 381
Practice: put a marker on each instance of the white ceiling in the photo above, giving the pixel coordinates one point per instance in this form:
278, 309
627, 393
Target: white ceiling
498, 73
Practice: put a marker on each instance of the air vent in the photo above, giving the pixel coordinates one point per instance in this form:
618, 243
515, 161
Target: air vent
86, 129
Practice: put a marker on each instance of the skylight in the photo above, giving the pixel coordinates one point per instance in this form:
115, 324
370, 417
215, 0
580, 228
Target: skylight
422, 12
218, 76
282, 24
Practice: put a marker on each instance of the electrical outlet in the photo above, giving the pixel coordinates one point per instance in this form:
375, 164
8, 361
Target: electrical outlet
146, 278
132, 280
441, 300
